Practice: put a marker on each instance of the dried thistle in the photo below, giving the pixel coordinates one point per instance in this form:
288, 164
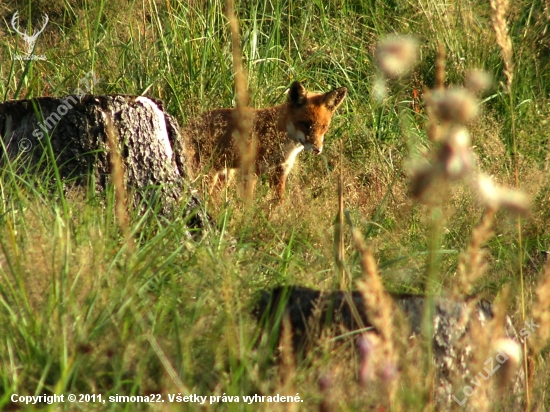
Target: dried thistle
478, 81
453, 160
396, 55
499, 9
455, 105
455, 155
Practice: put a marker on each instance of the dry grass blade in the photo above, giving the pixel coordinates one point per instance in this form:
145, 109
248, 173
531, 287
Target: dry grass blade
246, 141
379, 304
345, 282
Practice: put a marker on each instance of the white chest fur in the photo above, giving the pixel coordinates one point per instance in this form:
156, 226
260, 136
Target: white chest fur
291, 151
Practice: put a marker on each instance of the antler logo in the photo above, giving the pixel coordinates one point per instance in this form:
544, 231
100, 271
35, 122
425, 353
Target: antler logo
29, 40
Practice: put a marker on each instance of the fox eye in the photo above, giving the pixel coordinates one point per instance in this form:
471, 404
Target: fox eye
307, 125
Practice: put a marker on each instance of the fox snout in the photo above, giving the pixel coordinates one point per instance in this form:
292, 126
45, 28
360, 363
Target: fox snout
314, 142
317, 149
312, 147
309, 141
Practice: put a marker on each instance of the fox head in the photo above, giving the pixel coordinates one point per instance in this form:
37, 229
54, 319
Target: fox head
309, 115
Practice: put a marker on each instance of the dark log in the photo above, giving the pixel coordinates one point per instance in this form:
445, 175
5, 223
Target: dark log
309, 311
149, 144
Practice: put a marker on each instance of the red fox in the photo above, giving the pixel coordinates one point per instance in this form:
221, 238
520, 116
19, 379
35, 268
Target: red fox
281, 133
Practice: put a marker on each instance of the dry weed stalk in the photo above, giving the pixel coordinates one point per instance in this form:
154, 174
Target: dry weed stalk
379, 355
471, 263
288, 365
117, 175
448, 109
395, 55
440, 66
432, 129
498, 18
453, 159
345, 281
246, 141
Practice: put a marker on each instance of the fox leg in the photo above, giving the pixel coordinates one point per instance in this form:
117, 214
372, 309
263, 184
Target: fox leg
277, 181
247, 184
225, 175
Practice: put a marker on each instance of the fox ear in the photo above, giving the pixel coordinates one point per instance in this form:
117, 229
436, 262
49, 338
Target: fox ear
334, 98
296, 94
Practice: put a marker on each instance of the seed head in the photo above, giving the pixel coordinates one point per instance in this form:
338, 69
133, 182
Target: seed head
458, 138
455, 156
396, 55
478, 81
454, 105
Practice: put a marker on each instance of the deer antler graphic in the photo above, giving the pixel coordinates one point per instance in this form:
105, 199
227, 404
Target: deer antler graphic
30, 40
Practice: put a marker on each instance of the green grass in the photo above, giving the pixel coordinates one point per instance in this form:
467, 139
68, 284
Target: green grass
79, 315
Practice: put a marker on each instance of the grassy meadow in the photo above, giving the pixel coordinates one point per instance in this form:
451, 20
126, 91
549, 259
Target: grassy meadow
80, 313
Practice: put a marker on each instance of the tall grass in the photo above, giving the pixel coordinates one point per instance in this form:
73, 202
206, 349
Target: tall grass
77, 316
